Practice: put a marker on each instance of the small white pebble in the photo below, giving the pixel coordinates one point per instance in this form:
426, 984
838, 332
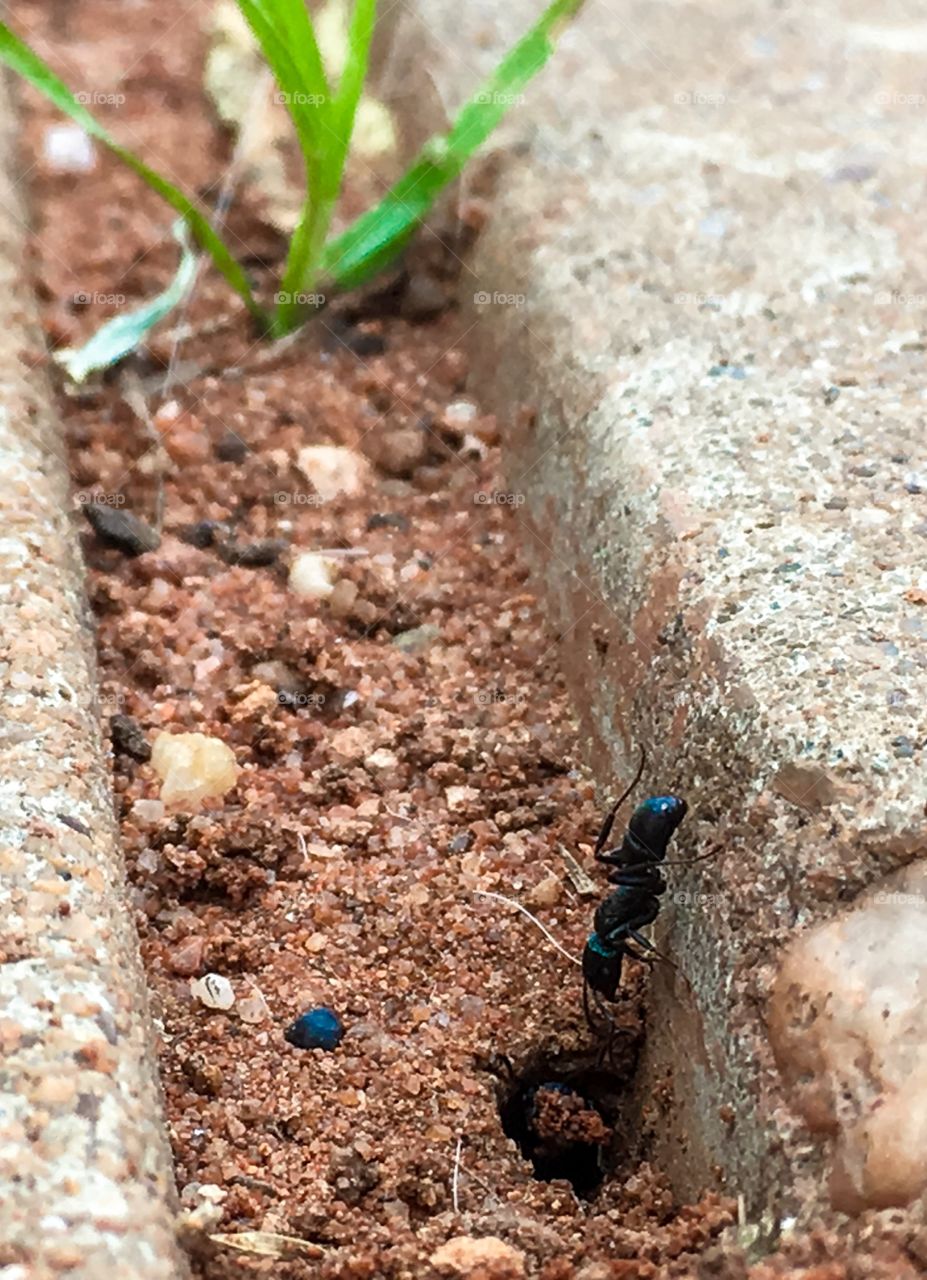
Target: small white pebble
192, 1193
167, 414
253, 1007
204, 667
147, 811
52, 1222
212, 990
472, 447
459, 797
149, 859
381, 760
68, 149
211, 1192
460, 413
332, 470
311, 577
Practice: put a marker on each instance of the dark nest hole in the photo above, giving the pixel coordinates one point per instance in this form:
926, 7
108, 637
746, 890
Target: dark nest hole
569, 1114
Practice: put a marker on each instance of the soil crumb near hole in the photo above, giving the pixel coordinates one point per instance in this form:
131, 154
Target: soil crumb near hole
404, 740
560, 1113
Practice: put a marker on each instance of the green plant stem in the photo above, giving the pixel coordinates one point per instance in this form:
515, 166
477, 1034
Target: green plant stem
324, 175
302, 264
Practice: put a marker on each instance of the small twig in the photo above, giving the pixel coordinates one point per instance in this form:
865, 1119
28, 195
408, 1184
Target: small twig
581, 881
510, 902
455, 1181
481, 1182
133, 395
184, 329
267, 358
346, 553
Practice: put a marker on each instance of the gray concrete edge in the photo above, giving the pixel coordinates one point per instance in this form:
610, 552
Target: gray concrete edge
86, 1181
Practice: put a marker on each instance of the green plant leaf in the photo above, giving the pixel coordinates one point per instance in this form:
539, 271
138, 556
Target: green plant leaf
20, 57
290, 48
121, 335
325, 176
382, 232
293, 21
350, 87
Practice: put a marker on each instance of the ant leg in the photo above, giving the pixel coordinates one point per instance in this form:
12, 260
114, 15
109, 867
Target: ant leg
601, 1016
590, 1022
602, 1025
500, 1065
610, 816
648, 946
606, 829
642, 941
607, 1032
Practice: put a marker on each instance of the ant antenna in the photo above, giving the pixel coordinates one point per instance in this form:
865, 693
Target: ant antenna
703, 857
607, 824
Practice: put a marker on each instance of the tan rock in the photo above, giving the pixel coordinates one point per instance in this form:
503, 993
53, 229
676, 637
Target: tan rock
487, 1256
311, 576
460, 797
547, 893
848, 1023
354, 743
192, 767
333, 471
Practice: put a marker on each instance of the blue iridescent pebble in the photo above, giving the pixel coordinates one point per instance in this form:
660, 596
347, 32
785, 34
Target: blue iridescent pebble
318, 1028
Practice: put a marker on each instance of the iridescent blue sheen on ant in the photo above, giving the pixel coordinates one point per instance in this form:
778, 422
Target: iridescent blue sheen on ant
318, 1028
662, 804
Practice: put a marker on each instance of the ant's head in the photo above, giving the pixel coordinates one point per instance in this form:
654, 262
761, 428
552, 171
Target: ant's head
654, 822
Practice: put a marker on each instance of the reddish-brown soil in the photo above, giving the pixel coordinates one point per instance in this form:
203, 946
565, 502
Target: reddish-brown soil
386, 777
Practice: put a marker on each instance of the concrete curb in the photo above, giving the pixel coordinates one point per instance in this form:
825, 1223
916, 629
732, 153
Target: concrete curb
692, 302
85, 1169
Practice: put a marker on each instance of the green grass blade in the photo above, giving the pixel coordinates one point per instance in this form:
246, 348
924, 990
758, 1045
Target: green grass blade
374, 239
325, 176
302, 84
350, 88
121, 335
380, 233
17, 55
479, 117
291, 18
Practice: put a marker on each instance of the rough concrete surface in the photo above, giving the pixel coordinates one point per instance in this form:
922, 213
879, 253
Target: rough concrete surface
85, 1181
701, 299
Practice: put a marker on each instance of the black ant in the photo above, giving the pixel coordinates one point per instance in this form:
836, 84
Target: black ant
636, 870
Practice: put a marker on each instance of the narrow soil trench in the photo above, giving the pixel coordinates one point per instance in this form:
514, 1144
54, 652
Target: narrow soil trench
406, 746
